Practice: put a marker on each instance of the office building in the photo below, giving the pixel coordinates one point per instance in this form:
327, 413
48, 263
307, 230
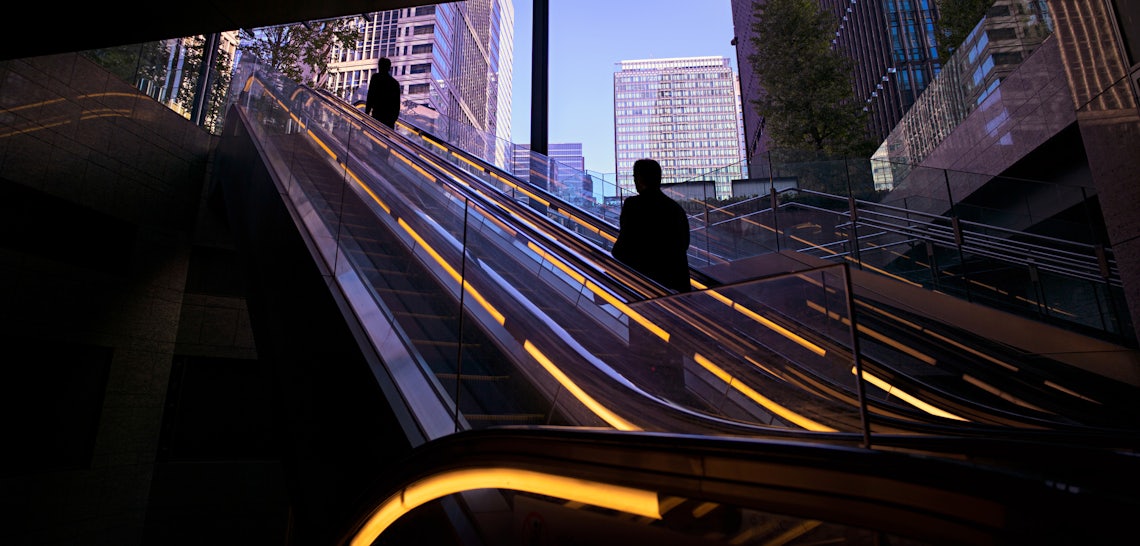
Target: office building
567, 166
1009, 34
894, 50
683, 112
891, 44
453, 60
752, 124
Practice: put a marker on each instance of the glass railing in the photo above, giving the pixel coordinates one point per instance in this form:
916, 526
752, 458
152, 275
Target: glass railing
1033, 248
486, 316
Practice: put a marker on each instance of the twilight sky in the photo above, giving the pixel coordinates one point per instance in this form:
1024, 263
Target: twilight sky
587, 40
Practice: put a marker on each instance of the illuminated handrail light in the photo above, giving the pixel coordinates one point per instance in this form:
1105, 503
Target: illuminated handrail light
615, 497
751, 393
874, 334
908, 398
768, 323
600, 410
498, 316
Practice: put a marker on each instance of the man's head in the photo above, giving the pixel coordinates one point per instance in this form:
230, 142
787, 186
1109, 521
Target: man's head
646, 175
384, 64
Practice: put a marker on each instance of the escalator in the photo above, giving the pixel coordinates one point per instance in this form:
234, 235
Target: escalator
905, 372
482, 316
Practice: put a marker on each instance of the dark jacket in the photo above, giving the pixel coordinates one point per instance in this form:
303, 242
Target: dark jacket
654, 239
383, 101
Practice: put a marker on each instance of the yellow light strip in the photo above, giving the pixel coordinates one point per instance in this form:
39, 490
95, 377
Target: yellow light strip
1000, 393
704, 508
883, 272
908, 398
578, 277
467, 161
669, 503
759, 398
499, 317
1067, 391
938, 336
601, 411
428, 160
793, 533
614, 497
625, 309
889, 315
970, 350
763, 367
767, 323
747, 535
876, 335
509, 230
368, 190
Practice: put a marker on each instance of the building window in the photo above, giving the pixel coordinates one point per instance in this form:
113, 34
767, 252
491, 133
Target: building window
425, 10
424, 29
421, 48
421, 68
418, 88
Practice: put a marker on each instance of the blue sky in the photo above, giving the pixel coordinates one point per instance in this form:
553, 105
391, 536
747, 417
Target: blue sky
587, 40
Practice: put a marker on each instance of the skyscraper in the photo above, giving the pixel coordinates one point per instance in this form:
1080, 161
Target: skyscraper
452, 60
683, 112
1009, 34
567, 167
755, 138
891, 43
895, 52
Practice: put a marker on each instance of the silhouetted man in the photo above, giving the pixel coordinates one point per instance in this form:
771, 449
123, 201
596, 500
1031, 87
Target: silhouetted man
383, 101
654, 231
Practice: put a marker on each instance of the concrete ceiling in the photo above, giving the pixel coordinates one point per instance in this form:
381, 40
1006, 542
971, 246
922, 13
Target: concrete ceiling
77, 27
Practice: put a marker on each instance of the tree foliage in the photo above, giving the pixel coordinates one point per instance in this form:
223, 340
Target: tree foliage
302, 51
135, 63
956, 19
217, 86
808, 101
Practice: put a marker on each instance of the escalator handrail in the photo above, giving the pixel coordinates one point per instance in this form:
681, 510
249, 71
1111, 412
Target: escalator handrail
1062, 495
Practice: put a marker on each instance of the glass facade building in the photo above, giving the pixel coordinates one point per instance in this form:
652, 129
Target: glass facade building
1007, 35
453, 60
567, 166
891, 43
683, 112
895, 51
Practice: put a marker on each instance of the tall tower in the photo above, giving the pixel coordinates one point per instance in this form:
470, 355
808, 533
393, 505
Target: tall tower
891, 43
567, 167
683, 112
895, 52
453, 60
755, 138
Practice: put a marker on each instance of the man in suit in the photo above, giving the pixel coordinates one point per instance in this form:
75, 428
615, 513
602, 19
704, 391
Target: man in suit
653, 235
383, 101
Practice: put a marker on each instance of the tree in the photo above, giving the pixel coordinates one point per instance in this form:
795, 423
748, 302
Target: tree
143, 65
302, 51
218, 82
956, 19
808, 102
